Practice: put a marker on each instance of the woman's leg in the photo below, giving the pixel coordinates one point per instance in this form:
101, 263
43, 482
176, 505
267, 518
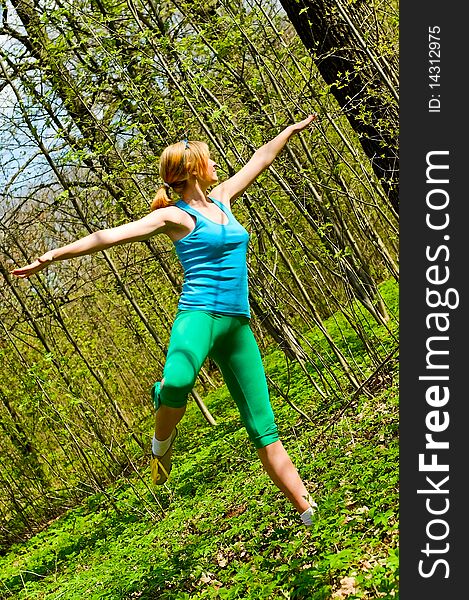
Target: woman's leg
191, 339
166, 419
240, 362
283, 473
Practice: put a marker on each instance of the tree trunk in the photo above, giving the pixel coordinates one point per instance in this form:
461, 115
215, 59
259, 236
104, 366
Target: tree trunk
358, 81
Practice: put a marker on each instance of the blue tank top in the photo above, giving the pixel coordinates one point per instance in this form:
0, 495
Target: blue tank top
213, 257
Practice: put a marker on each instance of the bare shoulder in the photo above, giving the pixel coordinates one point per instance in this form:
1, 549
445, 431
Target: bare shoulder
178, 222
171, 214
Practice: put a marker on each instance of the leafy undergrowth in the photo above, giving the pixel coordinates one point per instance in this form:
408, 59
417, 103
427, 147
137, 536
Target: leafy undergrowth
220, 529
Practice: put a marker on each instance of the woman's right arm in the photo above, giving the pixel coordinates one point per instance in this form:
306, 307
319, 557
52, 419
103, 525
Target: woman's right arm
157, 221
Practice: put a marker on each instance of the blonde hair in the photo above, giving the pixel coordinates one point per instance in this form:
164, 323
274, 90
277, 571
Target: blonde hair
177, 163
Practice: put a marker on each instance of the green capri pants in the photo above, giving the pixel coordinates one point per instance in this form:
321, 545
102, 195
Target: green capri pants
229, 341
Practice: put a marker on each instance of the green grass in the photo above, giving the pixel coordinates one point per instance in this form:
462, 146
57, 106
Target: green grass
222, 530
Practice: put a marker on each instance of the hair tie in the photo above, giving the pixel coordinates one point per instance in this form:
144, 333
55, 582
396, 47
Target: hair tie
168, 189
185, 141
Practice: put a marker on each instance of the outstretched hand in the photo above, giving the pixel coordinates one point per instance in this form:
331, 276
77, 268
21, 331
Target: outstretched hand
304, 123
32, 268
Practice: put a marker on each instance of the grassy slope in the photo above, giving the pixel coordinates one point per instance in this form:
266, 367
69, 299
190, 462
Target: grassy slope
223, 530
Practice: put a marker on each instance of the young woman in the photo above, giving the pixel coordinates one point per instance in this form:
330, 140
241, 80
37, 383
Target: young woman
213, 311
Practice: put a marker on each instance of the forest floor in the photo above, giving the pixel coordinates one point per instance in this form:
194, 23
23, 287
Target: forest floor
219, 528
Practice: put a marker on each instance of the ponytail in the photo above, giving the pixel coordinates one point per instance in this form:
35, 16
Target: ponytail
162, 198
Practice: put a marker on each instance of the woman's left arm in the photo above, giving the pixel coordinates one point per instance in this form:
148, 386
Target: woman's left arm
232, 188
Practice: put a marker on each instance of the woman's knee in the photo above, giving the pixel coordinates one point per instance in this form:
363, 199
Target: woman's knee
174, 391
